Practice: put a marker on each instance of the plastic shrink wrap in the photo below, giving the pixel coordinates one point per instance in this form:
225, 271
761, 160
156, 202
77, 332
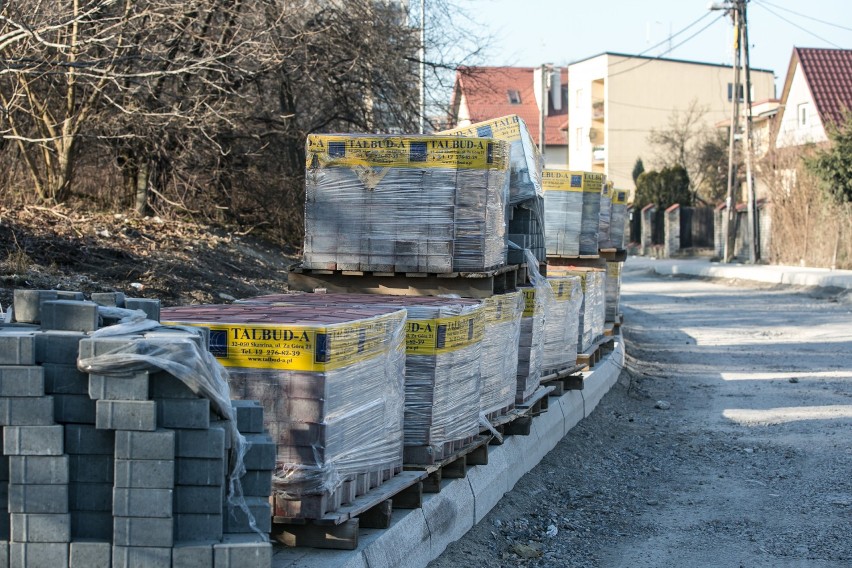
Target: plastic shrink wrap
592, 184
444, 338
605, 216
537, 299
563, 212
432, 204
613, 289
618, 223
562, 321
331, 382
499, 369
591, 320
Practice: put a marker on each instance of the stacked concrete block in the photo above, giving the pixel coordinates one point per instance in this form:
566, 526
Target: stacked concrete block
593, 307
526, 230
563, 212
434, 204
613, 290
618, 222
330, 380
593, 184
605, 215
530, 344
561, 323
499, 367
91, 473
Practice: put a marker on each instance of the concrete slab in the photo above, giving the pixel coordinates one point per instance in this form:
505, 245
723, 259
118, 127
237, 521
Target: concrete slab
573, 407
407, 542
488, 482
449, 514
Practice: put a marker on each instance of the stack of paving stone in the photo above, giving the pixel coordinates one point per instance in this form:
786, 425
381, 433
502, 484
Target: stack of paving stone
563, 212
618, 222
592, 309
562, 323
499, 368
443, 344
526, 204
434, 204
605, 215
531, 342
331, 382
613, 289
592, 184
95, 459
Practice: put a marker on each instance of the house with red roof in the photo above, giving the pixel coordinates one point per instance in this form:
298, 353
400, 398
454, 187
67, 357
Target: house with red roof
817, 90
484, 93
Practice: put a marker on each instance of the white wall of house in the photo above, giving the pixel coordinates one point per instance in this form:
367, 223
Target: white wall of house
800, 122
556, 157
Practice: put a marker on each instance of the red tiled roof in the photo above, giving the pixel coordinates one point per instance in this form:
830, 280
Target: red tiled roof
486, 92
828, 73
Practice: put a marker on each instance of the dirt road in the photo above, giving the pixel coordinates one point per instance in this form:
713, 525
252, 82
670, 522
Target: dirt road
747, 464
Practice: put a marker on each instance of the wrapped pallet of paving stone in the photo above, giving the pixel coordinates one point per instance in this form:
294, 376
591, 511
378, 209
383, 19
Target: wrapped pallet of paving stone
613, 290
563, 212
592, 184
561, 325
618, 223
592, 309
537, 300
526, 224
499, 368
331, 382
444, 338
434, 204
605, 215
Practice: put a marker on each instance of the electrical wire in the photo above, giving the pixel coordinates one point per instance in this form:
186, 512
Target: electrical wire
803, 15
669, 50
795, 25
668, 39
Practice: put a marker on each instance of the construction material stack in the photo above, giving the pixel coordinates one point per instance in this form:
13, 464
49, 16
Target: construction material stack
618, 222
422, 204
499, 368
605, 215
330, 380
525, 212
592, 184
563, 205
592, 309
613, 290
562, 321
93, 441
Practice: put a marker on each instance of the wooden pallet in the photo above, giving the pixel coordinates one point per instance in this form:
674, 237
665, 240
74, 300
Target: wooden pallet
592, 356
564, 380
453, 466
518, 422
339, 529
466, 284
496, 414
613, 254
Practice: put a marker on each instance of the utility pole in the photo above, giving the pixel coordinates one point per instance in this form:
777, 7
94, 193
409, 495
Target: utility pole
730, 201
422, 66
542, 108
753, 225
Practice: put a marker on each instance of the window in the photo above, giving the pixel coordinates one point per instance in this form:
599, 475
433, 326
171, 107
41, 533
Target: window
802, 112
578, 98
579, 138
514, 97
740, 92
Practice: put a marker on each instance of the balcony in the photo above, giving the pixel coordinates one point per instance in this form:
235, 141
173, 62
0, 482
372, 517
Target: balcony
598, 153
598, 110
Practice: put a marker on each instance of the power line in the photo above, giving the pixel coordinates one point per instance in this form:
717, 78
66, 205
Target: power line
803, 15
668, 39
669, 50
795, 25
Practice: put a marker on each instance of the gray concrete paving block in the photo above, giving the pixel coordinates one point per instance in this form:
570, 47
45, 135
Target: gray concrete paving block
4, 553
164, 385
40, 528
5, 526
4, 468
235, 519
90, 497
139, 556
183, 413
19, 380
199, 471
91, 468
261, 452
38, 499
39, 469
449, 514
145, 474
143, 531
97, 346
137, 502
192, 555
242, 551
68, 315
199, 499
249, 416
157, 445
257, 483
73, 409
58, 347
150, 306
27, 304
406, 543
91, 525
86, 439
26, 411
38, 554
64, 379
90, 554
109, 299
33, 440
125, 387
17, 347
194, 527
487, 482
138, 415
70, 295
208, 443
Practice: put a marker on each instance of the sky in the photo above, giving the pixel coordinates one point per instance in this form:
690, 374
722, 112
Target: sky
532, 32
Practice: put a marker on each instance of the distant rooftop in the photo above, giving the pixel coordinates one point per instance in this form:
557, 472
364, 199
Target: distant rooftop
670, 60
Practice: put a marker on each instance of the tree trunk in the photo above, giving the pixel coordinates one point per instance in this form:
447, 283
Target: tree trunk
142, 176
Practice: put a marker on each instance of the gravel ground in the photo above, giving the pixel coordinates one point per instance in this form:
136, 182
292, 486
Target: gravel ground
727, 442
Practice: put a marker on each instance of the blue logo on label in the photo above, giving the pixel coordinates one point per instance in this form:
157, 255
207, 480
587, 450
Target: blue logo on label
576, 181
336, 149
219, 343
